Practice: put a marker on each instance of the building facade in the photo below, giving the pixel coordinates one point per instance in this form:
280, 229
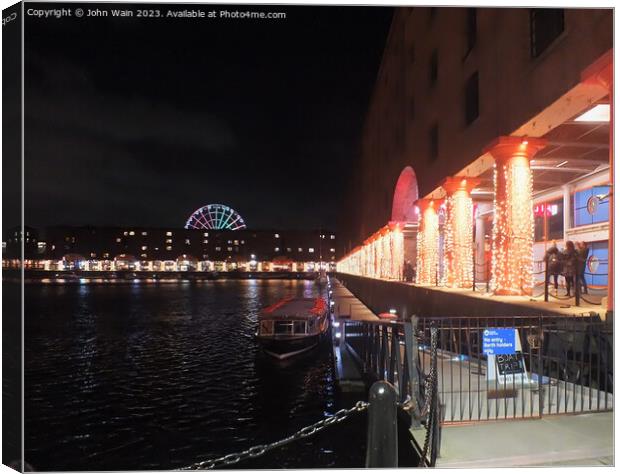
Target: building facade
503, 113
138, 248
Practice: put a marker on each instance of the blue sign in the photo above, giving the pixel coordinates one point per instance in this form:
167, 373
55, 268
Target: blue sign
496, 341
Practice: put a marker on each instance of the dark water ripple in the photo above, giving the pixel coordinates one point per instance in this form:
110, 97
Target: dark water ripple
157, 376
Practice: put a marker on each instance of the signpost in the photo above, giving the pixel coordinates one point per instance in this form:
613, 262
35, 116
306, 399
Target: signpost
505, 364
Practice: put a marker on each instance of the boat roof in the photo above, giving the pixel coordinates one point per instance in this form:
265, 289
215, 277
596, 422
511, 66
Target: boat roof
295, 308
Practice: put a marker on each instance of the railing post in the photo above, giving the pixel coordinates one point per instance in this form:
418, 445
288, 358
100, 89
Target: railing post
546, 280
411, 345
488, 275
382, 437
577, 290
474, 271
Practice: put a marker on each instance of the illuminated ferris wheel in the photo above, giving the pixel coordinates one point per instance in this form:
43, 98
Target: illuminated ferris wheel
215, 216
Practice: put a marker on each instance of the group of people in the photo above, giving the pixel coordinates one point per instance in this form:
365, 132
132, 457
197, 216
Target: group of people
570, 263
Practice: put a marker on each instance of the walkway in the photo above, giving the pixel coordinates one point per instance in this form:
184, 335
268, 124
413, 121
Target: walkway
577, 440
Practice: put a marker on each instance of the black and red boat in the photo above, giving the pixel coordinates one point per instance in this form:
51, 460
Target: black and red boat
292, 326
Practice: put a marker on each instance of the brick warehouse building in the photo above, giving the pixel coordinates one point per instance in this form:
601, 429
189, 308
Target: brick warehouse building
463, 98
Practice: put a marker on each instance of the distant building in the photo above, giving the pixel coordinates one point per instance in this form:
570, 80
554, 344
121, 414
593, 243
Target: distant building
12, 246
108, 248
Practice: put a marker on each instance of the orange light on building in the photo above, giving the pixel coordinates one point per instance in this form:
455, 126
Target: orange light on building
427, 258
458, 232
513, 220
381, 256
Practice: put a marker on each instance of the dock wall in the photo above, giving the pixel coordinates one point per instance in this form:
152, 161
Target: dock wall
407, 299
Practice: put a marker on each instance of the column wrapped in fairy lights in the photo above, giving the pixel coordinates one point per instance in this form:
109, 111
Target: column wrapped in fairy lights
381, 256
458, 232
427, 258
513, 219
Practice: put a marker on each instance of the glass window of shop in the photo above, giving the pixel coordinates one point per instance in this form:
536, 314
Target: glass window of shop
591, 205
549, 221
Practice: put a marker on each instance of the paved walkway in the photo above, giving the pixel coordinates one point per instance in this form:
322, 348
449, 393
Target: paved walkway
558, 306
577, 440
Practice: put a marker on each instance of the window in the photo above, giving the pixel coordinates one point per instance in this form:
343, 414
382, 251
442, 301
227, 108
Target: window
433, 68
546, 24
591, 205
118, 239
169, 233
144, 232
168, 247
144, 247
300, 249
471, 99
206, 234
472, 28
205, 241
434, 142
288, 249
597, 267
217, 249
277, 249
332, 250
105, 255
549, 221
281, 327
132, 232
93, 255
236, 242
299, 327
143, 255
187, 241
332, 237
125, 233
311, 250
168, 241
229, 249
277, 236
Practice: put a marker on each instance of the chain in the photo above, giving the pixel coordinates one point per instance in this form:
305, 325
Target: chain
430, 390
259, 450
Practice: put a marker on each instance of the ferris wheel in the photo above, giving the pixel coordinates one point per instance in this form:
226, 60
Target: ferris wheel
215, 216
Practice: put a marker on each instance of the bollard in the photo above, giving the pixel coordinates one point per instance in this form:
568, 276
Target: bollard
382, 437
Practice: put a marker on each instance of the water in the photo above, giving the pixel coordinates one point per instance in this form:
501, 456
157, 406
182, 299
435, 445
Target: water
158, 376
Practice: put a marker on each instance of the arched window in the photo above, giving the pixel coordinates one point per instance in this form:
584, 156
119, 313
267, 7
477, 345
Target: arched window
405, 194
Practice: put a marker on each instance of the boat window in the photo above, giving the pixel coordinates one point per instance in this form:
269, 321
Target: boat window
300, 327
283, 327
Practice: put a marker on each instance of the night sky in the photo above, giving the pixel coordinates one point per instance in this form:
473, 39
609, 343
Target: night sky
133, 121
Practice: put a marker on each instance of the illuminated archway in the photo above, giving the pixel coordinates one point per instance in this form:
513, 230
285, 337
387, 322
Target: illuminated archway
405, 194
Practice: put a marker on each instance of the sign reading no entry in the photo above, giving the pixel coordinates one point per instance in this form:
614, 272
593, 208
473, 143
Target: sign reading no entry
496, 341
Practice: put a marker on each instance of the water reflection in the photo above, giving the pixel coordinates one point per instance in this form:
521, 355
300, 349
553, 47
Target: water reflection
152, 376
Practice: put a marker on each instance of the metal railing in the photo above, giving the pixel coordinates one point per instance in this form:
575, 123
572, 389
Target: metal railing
561, 365
578, 293
387, 351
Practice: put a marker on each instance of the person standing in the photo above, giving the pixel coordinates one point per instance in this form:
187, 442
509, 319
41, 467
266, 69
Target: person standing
582, 258
554, 266
569, 261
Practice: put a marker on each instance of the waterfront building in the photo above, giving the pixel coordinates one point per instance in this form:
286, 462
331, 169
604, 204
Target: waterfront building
175, 249
487, 138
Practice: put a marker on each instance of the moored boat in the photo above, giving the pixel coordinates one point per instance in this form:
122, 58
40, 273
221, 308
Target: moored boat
292, 326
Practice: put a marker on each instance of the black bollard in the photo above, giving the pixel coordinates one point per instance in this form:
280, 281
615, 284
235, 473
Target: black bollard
382, 438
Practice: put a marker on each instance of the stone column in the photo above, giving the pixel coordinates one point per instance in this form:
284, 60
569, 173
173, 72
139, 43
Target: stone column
427, 259
459, 232
513, 220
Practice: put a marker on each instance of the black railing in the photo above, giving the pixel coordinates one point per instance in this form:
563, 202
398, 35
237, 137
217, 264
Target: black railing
575, 283
563, 365
388, 351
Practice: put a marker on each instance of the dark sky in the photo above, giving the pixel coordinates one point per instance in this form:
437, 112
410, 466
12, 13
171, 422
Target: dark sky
133, 121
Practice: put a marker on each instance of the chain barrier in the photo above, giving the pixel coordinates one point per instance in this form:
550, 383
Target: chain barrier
429, 411
259, 450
